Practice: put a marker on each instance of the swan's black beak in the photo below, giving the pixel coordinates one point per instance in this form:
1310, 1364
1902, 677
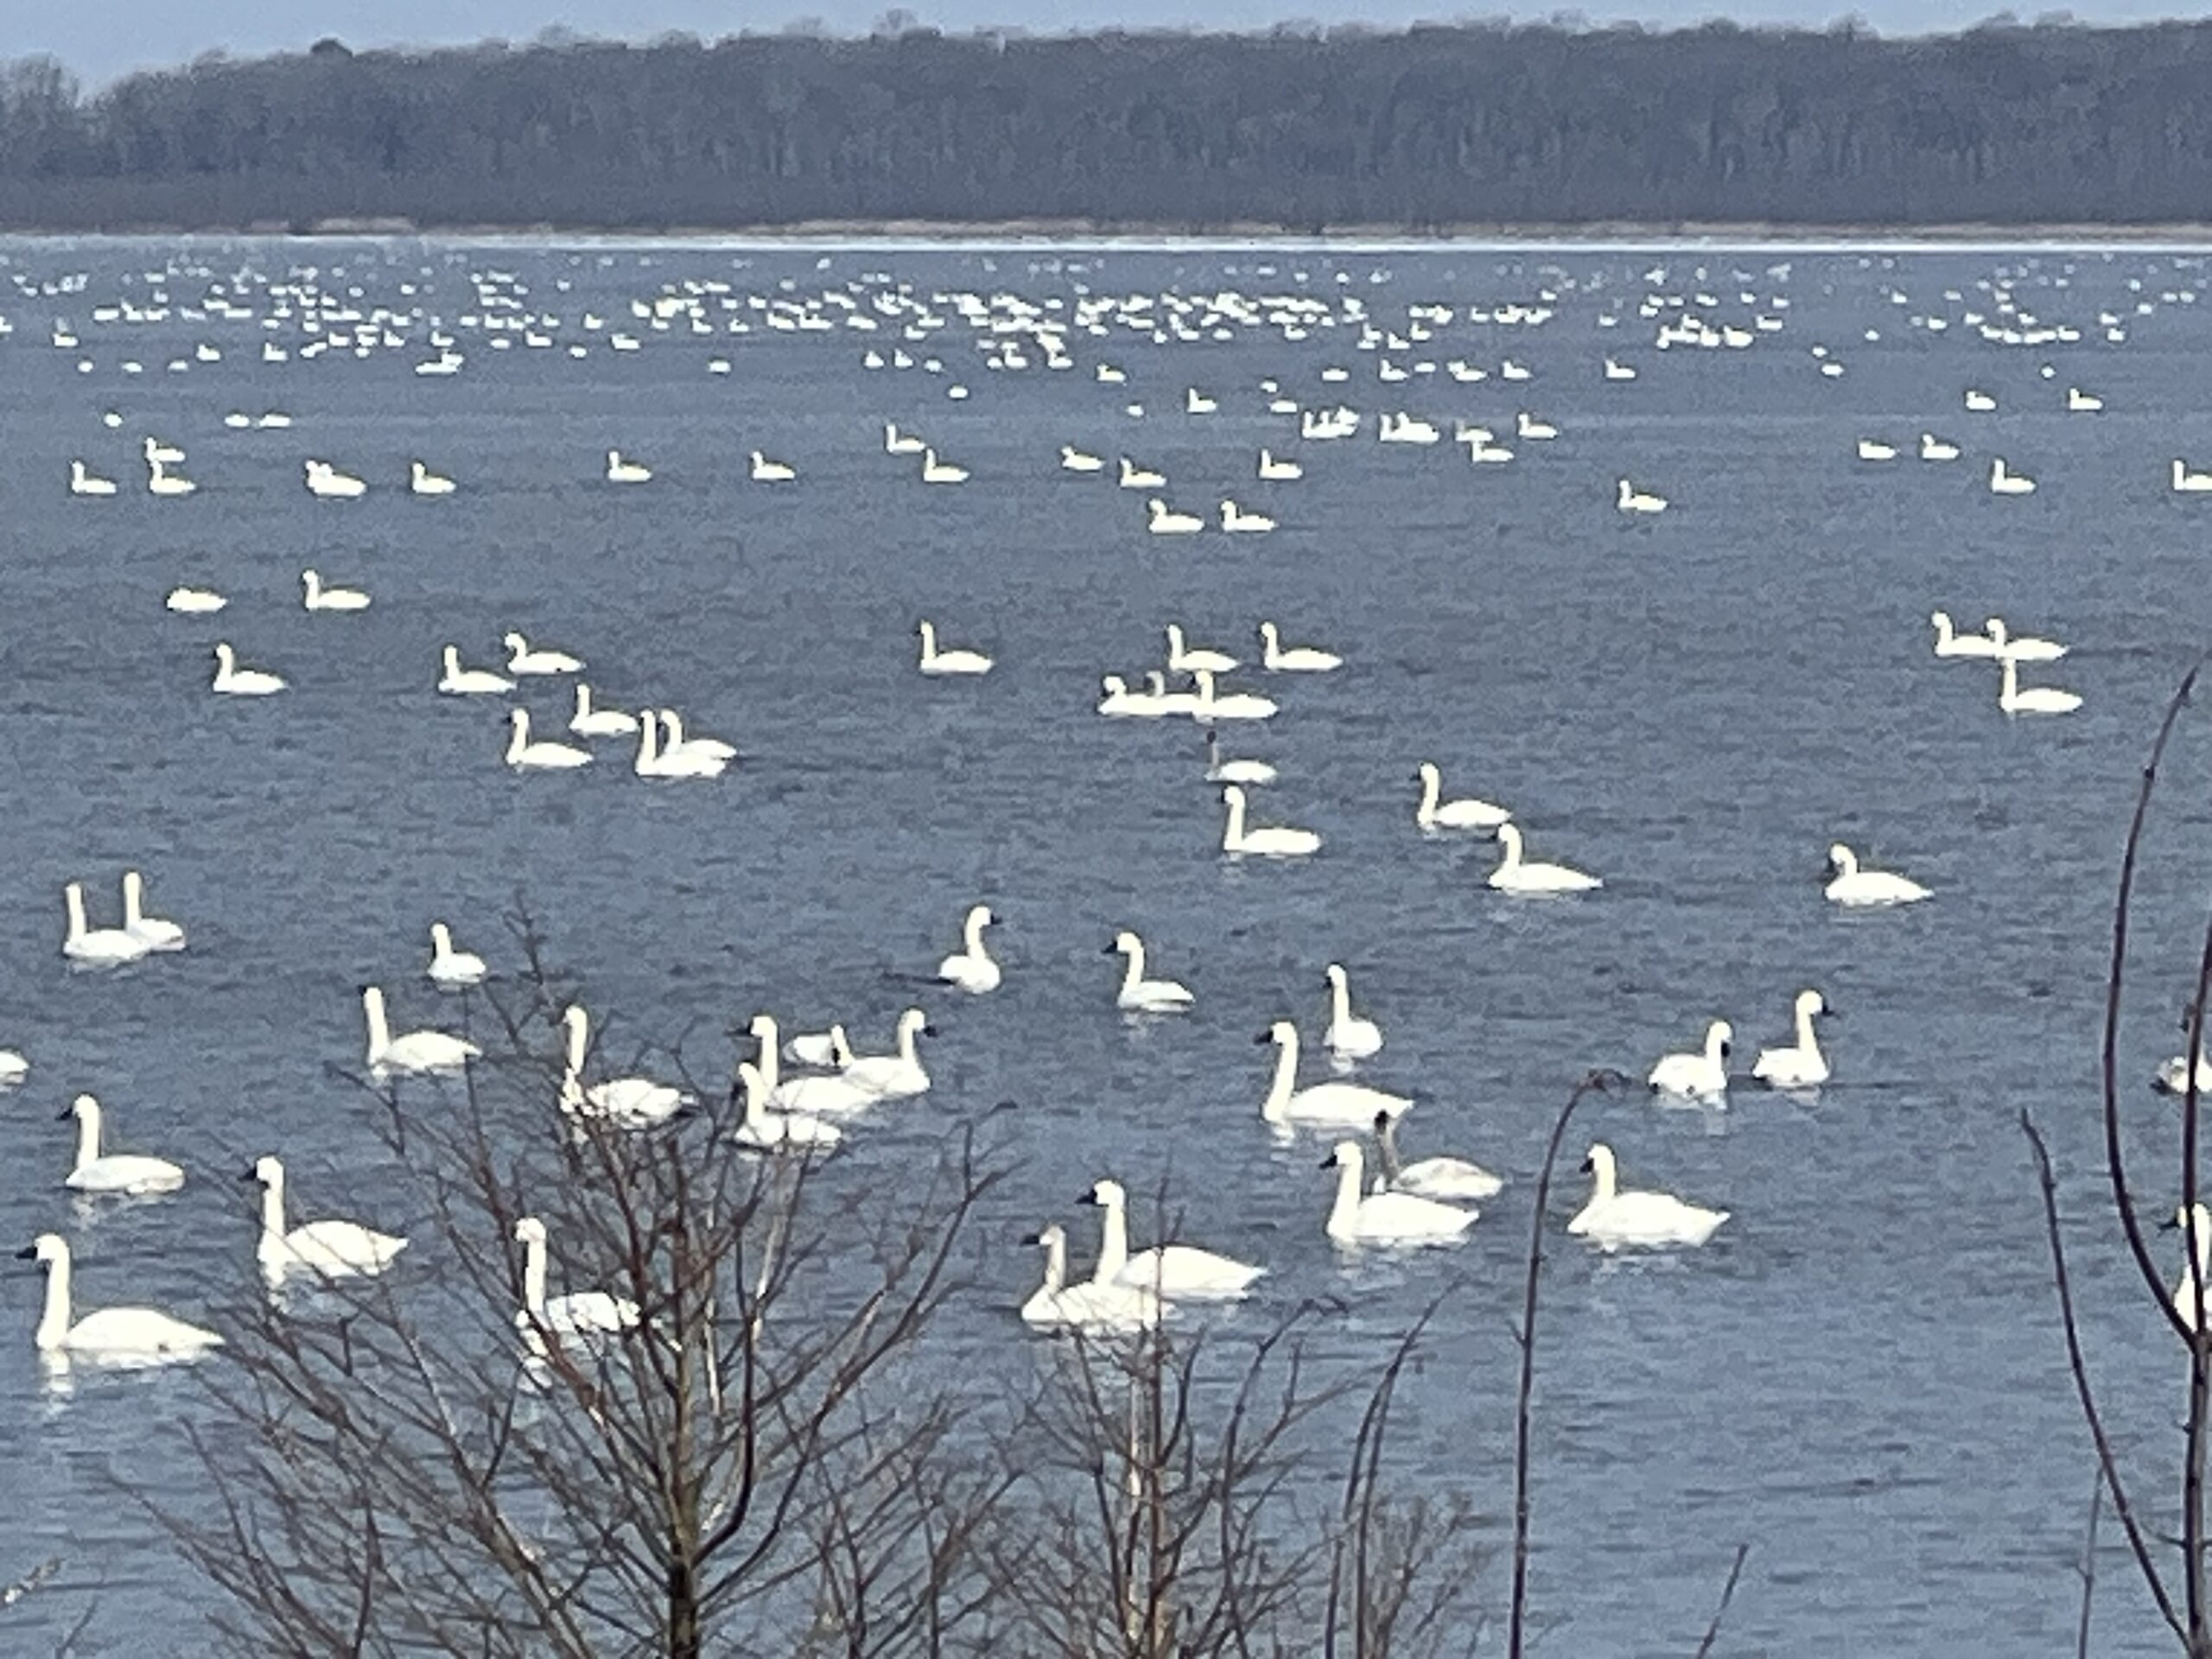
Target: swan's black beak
250, 1175
931, 1031
2171, 1224
1111, 949
1589, 1167
1089, 1195
1381, 1122
1828, 1012
1265, 1037
64, 1114
28, 1253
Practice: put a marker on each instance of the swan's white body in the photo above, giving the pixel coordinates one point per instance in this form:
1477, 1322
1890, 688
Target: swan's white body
1075, 461
127, 1336
896, 1075
936, 470
1170, 1272
1515, 875
834, 1096
2194, 1222
1211, 704
1119, 703
2005, 481
1465, 813
2188, 481
85, 482
653, 762
1239, 520
1184, 658
763, 1130
1615, 1220
232, 681
1934, 449
2172, 1076
1134, 477
158, 933
330, 1250
1701, 1076
194, 602
589, 722
1853, 886
1163, 520
320, 598
542, 755
1951, 643
1801, 1065
451, 969
581, 1313
896, 442
96, 947
413, 1053
1349, 1037
1057, 1304
2036, 700
1219, 771
1277, 658
1275, 471
1452, 1180
620, 471
1872, 449
971, 968
1139, 994
523, 659
1628, 499
765, 470
1387, 1217
129, 1174
327, 481
458, 682
2025, 649
421, 480
1269, 841
934, 661
1980, 401
1348, 1105
627, 1102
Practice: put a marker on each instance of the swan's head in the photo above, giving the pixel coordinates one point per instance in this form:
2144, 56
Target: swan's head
1268, 635
453, 659
981, 916
763, 1028
1508, 836
1843, 860
1720, 1036
2195, 1218
372, 998
270, 1172
1124, 943
46, 1247
913, 1020
530, 1231
613, 458
1599, 1161
1115, 686
1054, 1237
1233, 795
1335, 974
1426, 773
1346, 1155
225, 658
311, 579
1107, 1195
1812, 1003
442, 936
83, 1107
575, 1019
1995, 629
1282, 1034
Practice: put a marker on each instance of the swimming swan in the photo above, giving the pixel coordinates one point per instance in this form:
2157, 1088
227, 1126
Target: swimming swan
897, 1075
522, 660
450, 968
1296, 659
543, 755
128, 1174
1950, 643
765, 470
459, 682
421, 480
652, 762
627, 1102
1349, 1037
1515, 874
1633, 500
1183, 659
1853, 886
1614, 1220
1211, 704
1385, 1218
1275, 471
762, 1130
673, 741
1465, 813
1430, 1177
325, 480
1270, 841
818, 1096
2188, 481
1804, 1065
140, 1336
2025, 649
937, 471
1350, 1105
971, 968
585, 1313
1162, 520
82, 482
1075, 461
1119, 703
1219, 771
934, 661
158, 934
333, 1249
1171, 1272
1698, 1076
1237, 520
2037, 700
620, 471
1139, 994
1134, 477
415, 1053
98, 947
589, 722
320, 598
232, 681
1057, 1304
2004, 481
194, 602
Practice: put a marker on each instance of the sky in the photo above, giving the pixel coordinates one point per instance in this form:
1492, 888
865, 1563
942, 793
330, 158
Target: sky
106, 38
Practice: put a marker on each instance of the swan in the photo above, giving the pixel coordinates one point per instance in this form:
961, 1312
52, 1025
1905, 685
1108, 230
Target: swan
628, 1102
897, 1075
1949, 643
1134, 477
1869, 450
1165, 521
1532, 430
765, 470
2026, 649
1980, 402
1268, 842
126, 1335
1236, 519
232, 681
2173, 1076
1613, 1219
421, 480
1170, 702
585, 1313
14, 1068
896, 442
2195, 1220
589, 722
1801, 1065
157, 933
1385, 1218
934, 661
1934, 449
1212, 705
459, 682
1697, 1076
325, 480
1348, 1037
1430, 1177
1197, 402
523, 659
1348, 1105
2002, 481
128, 1174
82, 482
1277, 658
2189, 482
1119, 703
972, 968
2037, 700
1056, 1304
334, 1249
1465, 813
98, 947
1186, 659
762, 1130
819, 1097
686, 763
320, 598
414, 1053
194, 602
1515, 874
1075, 461
1615, 371
543, 755
673, 741
1219, 771
451, 969
162, 482
1171, 1272
935, 471
1275, 471
2079, 402
1631, 499
620, 471
1139, 994
1853, 886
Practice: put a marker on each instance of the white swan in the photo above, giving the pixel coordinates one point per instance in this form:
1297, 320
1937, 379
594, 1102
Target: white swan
1270, 840
627, 1102
98, 947
2025, 649
1348, 1105
1934, 449
1237, 520
1119, 703
194, 602
620, 471
158, 933
450, 968
1295, 659
1616, 371
675, 763
1348, 1036
762, 1130
589, 722
2005, 481
1853, 886
1057, 1304
320, 598
1171, 1272
1163, 521
585, 1313
1801, 1065
936, 662
542, 755
2188, 481
1211, 704
459, 682
421, 480
673, 741
896, 442
1465, 813
937, 471
818, 1096
1385, 1218
1514, 873
1980, 401
2079, 402
1629, 498
1532, 430
1197, 402
897, 1075
1950, 643
1139, 994
414, 1053
1613, 1219
1134, 477
1702, 1075
2037, 700
816, 1047
129, 1174
332, 1250
1219, 771
1274, 470
971, 968
1445, 1178
1184, 659
142, 1336
765, 470
522, 658
232, 681
327, 481
82, 482
2172, 1076
1075, 461
2195, 1222
1870, 450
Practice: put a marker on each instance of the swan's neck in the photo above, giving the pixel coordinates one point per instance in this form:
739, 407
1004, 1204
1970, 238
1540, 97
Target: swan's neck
1807, 1043
76, 901
1386, 1140
1056, 1266
1343, 1214
906, 1055
440, 943
88, 1134
648, 739
929, 642
583, 700
1602, 1187
272, 1213
1944, 634
1846, 864
1271, 645
1112, 1245
577, 1038
520, 740
533, 1278
1432, 785
974, 939
1512, 843
54, 1322
1232, 833
379, 1033
2011, 680
1285, 1076
133, 900
768, 1061
1714, 1042
1339, 999
1133, 972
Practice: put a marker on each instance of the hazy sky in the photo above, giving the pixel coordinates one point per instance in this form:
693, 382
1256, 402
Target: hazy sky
102, 39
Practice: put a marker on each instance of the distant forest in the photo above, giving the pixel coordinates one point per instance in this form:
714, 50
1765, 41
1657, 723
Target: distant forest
1299, 129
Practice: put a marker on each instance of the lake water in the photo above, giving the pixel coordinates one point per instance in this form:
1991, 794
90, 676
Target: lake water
1861, 1376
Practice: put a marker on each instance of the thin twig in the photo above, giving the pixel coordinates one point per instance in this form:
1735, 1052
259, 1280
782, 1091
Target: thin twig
1728, 1595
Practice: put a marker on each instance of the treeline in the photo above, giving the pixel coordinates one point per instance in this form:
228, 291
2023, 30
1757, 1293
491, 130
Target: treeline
1426, 128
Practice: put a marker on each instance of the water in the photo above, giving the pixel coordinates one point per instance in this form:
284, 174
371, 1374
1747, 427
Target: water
1861, 1376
